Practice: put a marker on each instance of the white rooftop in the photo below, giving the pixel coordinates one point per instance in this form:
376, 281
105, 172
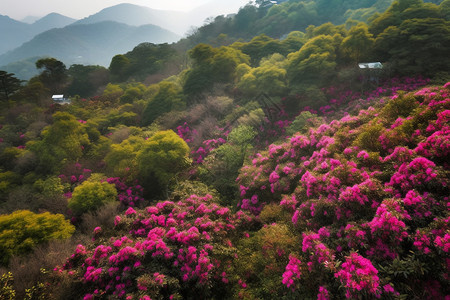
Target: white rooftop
370, 65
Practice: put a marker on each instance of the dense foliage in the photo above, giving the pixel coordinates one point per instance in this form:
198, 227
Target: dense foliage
259, 168
23, 230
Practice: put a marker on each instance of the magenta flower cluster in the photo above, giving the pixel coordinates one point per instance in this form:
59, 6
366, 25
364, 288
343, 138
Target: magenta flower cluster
127, 195
174, 241
363, 200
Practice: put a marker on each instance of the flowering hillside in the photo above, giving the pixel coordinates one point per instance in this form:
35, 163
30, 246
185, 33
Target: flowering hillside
357, 208
369, 198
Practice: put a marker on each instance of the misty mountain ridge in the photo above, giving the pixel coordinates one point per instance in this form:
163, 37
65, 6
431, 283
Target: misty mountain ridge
70, 45
14, 33
52, 20
135, 15
89, 43
176, 21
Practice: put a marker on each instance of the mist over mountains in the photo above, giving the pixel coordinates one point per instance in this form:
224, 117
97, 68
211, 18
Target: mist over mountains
98, 37
89, 43
15, 33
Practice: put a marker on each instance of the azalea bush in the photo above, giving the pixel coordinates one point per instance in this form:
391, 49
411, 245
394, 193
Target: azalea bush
371, 205
172, 249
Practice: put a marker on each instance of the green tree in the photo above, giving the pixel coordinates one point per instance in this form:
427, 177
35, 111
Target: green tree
359, 43
22, 230
444, 7
119, 68
294, 41
85, 80
121, 159
222, 165
169, 97
33, 92
92, 194
260, 46
314, 63
63, 141
132, 93
112, 92
162, 158
210, 66
270, 77
54, 74
417, 46
8, 85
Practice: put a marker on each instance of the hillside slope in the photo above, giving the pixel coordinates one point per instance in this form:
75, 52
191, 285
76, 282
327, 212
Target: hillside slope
354, 207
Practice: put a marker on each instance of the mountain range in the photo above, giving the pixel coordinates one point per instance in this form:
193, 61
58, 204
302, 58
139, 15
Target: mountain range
88, 43
14, 33
97, 38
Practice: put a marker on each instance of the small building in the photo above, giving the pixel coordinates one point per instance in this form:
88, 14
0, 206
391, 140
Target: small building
371, 71
370, 65
60, 99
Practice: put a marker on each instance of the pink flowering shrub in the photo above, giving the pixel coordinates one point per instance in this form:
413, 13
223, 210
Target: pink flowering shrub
369, 193
173, 249
127, 195
359, 277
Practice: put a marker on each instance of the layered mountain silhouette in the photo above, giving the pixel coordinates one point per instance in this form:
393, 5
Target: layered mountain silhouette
14, 33
89, 43
135, 15
97, 38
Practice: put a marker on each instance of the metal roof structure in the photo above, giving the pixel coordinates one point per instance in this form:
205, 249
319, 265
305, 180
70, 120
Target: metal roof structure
370, 65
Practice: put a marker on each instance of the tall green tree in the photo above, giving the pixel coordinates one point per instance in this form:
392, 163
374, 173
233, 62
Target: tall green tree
54, 74
417, 46
86, 80
358, 43
8, 85
315, 62
169, 97
211, 65
270, 77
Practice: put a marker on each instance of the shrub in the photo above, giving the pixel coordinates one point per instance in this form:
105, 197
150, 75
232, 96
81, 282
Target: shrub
92, 194
164, 156
22, 230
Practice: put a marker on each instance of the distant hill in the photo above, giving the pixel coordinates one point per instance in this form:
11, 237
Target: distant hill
29, 19
14, 33
89, 43
135, 15
176, 21
51, 21
23, 69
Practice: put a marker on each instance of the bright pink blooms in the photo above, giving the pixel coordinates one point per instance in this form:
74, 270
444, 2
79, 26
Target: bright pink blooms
358, 275
293, 271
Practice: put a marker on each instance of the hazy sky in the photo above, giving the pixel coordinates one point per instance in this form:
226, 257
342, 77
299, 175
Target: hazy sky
77, 9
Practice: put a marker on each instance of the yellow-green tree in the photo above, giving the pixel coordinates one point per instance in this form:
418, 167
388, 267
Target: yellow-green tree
270, 77
92, 194
22, 230
359, 43
169, 97
211, 65
162, 158
315, 62
416, 46
63, 141
121, 159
